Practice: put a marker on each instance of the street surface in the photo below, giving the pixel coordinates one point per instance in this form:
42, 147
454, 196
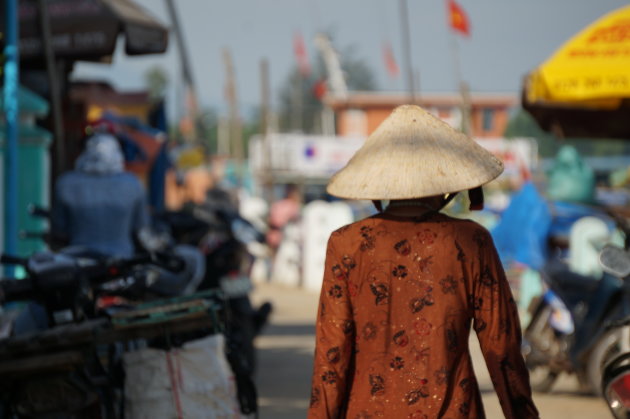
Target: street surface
285, 361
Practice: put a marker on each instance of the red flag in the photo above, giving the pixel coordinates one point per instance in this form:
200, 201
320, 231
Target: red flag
458, 19
300, 54
390, 61
320, 89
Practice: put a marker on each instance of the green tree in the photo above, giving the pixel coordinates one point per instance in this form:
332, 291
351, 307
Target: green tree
522, 124
301, 109
156, 81
208, 121
359, 75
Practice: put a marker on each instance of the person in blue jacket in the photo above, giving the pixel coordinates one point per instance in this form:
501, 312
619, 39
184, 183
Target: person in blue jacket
98, 205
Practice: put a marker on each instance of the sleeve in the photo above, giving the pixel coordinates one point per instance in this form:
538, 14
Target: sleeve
498, 330
334, 342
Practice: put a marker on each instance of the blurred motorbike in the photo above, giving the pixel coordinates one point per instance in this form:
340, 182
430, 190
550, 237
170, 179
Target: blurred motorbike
615, 384
568, 330
229, 244
50, 364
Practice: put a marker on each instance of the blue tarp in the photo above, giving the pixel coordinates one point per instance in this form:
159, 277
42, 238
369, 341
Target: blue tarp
133, 152
521, 234
566, 213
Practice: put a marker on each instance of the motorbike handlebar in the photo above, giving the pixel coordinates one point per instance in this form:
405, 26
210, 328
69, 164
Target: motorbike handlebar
16, 289
165, 260
43, 282
13, 260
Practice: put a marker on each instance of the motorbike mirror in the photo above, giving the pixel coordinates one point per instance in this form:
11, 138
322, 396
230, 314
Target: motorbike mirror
615, 261
151, 241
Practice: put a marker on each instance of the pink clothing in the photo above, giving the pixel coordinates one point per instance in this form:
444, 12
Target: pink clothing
281, 213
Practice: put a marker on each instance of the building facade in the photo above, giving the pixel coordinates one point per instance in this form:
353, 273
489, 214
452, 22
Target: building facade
361, 112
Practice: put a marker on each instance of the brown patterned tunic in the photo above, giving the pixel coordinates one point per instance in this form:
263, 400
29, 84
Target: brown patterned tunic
397, 302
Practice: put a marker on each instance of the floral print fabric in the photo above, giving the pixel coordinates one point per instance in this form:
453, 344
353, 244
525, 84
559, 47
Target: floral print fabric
398, 299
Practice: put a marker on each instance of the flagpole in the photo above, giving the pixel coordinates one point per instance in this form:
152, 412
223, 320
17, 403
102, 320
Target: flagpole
406, 40
462, 86
235, 128
299, 49
190, 90
265, 107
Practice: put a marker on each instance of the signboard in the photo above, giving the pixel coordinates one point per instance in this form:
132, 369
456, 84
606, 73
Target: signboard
319, 220
305, 156
519, 155
308, 156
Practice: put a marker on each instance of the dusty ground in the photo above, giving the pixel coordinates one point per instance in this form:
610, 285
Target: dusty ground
285, 362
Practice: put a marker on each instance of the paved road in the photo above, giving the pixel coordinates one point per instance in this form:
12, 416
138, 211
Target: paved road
285, 359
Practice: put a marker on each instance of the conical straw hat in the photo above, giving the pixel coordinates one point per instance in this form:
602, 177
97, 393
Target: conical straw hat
413, 154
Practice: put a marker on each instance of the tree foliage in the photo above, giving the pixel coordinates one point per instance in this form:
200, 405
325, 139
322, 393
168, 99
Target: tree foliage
522, 124
156, 80
301, 109
359, 75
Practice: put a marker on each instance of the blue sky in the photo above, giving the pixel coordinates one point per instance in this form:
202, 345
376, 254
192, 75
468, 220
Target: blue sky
508, 38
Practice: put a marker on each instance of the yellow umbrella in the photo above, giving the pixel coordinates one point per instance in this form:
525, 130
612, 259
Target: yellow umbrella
591, 70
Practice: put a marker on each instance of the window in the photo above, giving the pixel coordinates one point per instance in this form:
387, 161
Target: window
488, 119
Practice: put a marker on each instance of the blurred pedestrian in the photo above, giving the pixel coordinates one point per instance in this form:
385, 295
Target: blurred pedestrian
402, 288
282, 213
98, 205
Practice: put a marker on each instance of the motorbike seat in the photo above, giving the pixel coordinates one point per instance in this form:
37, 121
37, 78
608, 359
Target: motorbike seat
561, 278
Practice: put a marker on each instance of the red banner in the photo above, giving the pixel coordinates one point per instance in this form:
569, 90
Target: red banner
390, 61
458, 19
300, 54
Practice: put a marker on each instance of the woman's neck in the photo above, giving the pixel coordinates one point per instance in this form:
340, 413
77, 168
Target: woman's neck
410, 208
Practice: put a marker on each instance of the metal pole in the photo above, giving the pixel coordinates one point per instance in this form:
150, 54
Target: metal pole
185, 61
298, 110
236, 140
54, 88
11, 80
464, 90
406, 39
183, 51
264, 128
235, 127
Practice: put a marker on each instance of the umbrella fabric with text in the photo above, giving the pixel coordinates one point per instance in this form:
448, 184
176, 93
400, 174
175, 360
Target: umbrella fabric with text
583, 89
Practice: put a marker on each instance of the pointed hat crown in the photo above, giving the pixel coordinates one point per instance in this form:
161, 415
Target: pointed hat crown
414, 154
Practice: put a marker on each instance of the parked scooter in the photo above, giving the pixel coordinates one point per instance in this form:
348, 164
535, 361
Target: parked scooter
567, 330
615, 384
50, 363
224, 238
216, 233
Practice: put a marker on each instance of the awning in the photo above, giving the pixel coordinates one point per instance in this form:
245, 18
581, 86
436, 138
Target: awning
88, 29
